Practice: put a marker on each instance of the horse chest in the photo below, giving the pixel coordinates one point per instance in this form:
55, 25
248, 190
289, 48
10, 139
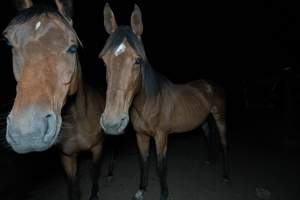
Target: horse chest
140, 122
79, 139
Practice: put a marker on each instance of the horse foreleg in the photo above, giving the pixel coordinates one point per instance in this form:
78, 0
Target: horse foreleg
70, 167
143, 142
161, 143
95, 171
113, 157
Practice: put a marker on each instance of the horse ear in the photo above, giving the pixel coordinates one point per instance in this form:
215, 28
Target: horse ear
136, 21
65, 7
23, 4
110, 23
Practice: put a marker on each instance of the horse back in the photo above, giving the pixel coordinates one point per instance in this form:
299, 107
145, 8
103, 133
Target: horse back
210, 90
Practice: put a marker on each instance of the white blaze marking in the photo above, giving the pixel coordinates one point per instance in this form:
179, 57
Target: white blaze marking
37, 25
120, 49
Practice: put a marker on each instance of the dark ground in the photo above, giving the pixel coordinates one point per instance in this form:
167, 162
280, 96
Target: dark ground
268, 165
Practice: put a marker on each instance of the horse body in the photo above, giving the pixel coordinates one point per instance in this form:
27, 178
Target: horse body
53, 104
177, 108
82, 131
83, 134
155, 106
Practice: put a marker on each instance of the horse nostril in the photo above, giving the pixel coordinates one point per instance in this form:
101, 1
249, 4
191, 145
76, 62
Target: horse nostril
102, 122
123, 119
8, 120
10, 132
49, 116
124, 122
10, 139
50, 127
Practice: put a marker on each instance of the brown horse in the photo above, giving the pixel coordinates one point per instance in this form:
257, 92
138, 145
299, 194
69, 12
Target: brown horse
50, 91
157, 106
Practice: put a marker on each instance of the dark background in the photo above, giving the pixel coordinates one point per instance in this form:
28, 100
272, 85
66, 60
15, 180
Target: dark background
251, 48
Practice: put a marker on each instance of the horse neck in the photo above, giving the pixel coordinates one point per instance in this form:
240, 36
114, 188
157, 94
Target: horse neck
143, 100
80, 100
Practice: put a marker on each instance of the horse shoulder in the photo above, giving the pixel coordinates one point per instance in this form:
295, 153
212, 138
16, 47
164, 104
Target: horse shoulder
146, 115
138, 121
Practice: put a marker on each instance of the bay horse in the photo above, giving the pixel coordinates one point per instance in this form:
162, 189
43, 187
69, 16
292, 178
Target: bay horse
50, 91
157, 107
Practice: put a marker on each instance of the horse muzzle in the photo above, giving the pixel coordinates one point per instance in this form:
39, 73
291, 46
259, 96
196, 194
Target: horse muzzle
114, 126
32, 130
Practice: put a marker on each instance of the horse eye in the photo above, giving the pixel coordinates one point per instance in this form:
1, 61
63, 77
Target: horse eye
139, 61
73, 49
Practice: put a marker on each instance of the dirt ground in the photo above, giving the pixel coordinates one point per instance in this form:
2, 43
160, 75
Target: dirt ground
257, 172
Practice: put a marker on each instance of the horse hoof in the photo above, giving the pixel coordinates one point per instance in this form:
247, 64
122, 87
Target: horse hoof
164, 196
226, 180
139, 195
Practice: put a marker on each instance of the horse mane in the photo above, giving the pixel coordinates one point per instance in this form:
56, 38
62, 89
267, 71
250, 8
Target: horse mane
36, 11
151, 80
